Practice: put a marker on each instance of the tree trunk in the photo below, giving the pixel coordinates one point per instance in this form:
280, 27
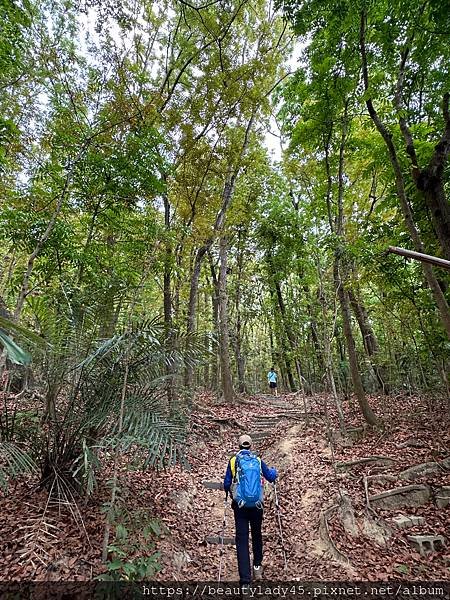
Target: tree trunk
240, 359
227, 195
215, 319
192, 307
351, 349
282, 352
167, 304
439, 207
224, 337
338, 271
286, 338
109, 311
24, 288
369, 340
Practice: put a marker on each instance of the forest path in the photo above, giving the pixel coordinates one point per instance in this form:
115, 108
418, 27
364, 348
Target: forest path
280, 434
309, 483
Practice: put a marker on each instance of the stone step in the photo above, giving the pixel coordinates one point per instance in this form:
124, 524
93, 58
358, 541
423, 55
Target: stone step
443, 496
217, 539
427, 543
228, 540
271, 416
213, 485
266, 425
407, 521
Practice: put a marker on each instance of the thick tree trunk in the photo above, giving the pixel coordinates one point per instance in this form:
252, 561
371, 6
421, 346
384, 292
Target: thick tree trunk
439, 207
430, 180
224, 337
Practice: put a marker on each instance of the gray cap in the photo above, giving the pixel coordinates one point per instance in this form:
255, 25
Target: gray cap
245, 441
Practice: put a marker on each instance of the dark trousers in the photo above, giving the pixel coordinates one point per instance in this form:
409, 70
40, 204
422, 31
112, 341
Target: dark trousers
243, 517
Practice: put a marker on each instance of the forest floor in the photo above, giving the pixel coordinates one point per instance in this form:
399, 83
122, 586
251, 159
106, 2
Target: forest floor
331, 532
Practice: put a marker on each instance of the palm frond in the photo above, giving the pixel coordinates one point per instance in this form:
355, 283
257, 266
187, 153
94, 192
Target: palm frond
14, 462
24, 332
86, 466
15, 353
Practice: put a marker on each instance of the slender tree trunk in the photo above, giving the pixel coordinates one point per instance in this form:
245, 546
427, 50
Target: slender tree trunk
328, 334
282, 353
110, 310
215, 319
340, 277
351, 349
207, 367
319, 352
167, 304
240, 359
89, 238
224, 337
24, 288
289, 338
369, 340
192, 307
227, 196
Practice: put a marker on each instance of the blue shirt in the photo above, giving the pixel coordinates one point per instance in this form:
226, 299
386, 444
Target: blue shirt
268, 473
272, 377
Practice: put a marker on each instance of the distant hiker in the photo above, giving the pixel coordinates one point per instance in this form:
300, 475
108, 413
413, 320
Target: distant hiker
243, 479
272, 379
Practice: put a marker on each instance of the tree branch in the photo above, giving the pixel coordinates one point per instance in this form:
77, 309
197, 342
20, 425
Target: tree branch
399, 105
442, 149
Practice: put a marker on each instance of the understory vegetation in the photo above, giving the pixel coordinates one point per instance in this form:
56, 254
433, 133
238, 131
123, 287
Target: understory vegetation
191, 193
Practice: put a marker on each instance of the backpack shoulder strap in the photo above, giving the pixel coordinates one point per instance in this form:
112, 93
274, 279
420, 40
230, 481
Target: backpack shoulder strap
233, 465
234, 462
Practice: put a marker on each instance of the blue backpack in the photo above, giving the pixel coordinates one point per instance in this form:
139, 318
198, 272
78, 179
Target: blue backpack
248, 489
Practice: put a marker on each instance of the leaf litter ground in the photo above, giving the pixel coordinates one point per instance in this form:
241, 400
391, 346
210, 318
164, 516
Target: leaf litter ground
415, 432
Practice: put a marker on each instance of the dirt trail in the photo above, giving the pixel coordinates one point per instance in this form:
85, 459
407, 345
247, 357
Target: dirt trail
361, 542
303, 488
308, 484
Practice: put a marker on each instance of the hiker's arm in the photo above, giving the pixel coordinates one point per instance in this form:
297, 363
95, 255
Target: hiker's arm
268, 473
228, 479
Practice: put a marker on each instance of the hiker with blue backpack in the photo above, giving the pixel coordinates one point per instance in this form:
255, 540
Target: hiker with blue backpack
243, 480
